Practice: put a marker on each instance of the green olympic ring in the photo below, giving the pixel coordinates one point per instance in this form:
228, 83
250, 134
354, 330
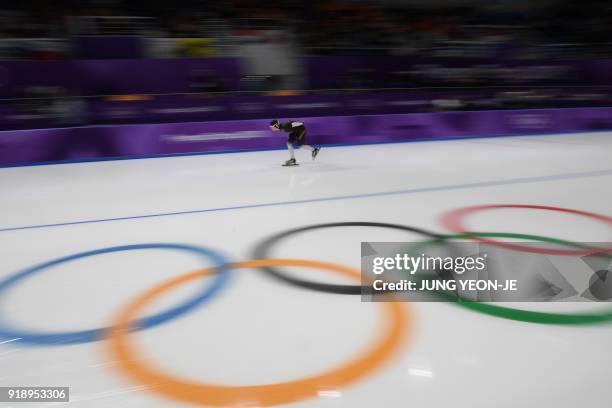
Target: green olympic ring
519, 314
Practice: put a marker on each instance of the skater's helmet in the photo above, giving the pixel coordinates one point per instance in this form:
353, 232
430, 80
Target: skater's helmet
275, 124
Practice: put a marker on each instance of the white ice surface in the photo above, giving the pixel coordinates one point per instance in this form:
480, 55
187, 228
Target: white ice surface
259, 331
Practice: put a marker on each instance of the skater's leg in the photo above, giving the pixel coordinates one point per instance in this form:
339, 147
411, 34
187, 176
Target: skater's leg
307, 147
300, 144
290, 148
315, 152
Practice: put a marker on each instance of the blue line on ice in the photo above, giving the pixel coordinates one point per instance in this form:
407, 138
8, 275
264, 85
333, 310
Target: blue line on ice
447, 187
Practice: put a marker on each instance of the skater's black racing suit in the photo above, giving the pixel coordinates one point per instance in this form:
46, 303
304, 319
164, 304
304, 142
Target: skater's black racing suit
296, 130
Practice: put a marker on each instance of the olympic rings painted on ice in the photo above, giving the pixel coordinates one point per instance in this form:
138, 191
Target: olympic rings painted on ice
84, 336
453, 220
262, 250
132, 363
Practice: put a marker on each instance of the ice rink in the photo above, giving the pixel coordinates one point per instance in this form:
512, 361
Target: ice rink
257, 331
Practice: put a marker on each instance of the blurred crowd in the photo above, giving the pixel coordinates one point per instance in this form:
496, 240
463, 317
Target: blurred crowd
528, 54
570, 29
554, 28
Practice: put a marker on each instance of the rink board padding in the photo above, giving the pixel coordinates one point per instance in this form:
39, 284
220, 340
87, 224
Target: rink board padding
23, 147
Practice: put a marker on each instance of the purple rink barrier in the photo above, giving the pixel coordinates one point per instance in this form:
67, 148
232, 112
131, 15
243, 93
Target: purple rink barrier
104, 142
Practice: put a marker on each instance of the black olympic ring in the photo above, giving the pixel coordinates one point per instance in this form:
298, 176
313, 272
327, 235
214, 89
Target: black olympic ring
262, 250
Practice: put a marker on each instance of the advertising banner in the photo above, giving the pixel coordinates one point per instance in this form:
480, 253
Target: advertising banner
96, 142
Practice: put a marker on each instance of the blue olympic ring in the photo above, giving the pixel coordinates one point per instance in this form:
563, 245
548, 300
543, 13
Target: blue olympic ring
75, 337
